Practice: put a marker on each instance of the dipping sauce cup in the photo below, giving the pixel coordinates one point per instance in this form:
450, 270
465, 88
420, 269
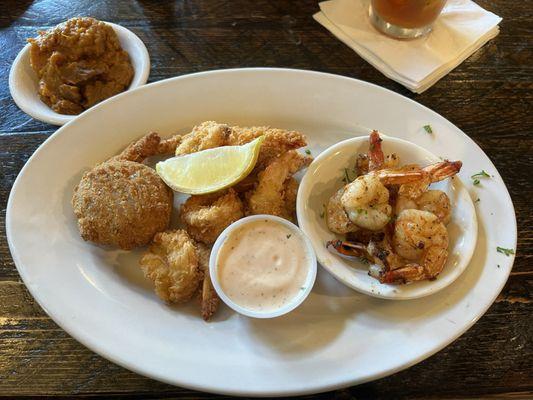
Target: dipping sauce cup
262, 266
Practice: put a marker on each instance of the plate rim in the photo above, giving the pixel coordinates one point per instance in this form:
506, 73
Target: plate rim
117, 359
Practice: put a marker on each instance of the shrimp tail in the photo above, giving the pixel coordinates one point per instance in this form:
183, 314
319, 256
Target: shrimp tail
391, 177
375, 153
350, 249
442, 170
408, 273
431, 267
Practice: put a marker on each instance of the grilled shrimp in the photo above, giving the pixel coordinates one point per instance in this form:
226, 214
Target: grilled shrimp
336, 218
416, 195
421, 239
366, 202
366, 199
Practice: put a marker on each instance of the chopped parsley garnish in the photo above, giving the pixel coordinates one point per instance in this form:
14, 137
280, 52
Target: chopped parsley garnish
505, 251
428, 128
307, 151
323, 213
476, 181
481, 174
289, 236
477, 200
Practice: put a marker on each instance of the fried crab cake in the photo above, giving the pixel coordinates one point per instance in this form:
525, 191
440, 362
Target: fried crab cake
122, 203
172, 263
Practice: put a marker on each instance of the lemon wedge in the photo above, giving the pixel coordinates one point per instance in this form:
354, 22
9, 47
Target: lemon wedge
210, 170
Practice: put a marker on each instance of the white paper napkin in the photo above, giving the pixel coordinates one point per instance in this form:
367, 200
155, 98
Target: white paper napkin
461, 29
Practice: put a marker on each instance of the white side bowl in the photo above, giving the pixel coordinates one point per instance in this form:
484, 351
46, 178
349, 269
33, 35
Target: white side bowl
324, 177
296, 301
24, 84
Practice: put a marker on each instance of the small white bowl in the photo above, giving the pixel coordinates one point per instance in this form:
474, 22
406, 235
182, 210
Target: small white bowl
24, 84
324, 177
296, 301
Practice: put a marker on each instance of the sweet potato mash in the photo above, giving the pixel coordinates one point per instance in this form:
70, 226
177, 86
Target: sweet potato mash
79, 63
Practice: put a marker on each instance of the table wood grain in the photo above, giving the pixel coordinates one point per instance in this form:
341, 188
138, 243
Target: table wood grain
489, 97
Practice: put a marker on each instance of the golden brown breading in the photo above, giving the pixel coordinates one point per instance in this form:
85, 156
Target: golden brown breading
276, 142
269, 195
169, 145
206, 216
122, 203
205, 136
209, 299
211, 134
140, 149
172, 264
291, 190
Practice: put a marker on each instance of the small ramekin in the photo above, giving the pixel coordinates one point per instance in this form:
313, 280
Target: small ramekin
296, 301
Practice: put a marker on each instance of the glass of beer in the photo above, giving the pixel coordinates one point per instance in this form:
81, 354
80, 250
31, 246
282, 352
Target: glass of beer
405, 19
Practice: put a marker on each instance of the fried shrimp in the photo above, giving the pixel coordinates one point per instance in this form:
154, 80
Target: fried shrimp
209, 299
140, 149
270, 195
172, 264
276, 142
291, 191
206, 216
122, 202
211, 134
207, 135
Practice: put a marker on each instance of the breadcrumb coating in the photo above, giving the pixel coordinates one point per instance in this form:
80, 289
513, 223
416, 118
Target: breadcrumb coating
172, 264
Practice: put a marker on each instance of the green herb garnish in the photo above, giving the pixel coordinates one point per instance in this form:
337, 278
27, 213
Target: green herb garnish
307, 151
477, 200
481, 174
428, 128
476, 181
505, 251
289, 236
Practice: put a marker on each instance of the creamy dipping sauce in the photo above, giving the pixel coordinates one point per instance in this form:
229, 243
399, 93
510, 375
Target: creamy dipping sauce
263, 265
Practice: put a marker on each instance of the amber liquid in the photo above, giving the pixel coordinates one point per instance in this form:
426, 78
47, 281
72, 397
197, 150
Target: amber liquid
408, 13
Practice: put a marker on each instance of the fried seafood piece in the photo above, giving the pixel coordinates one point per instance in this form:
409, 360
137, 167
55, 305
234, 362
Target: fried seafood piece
169, 145
276, 142
291, 191
272, 193
172, 264
121, 203
206, 216
209, 299
207, 135
140, 149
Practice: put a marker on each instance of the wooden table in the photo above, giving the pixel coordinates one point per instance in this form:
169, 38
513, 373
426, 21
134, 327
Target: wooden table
489, 97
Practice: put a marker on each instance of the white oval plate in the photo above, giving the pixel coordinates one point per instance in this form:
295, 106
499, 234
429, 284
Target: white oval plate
24, 84
324, 178
337, 337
